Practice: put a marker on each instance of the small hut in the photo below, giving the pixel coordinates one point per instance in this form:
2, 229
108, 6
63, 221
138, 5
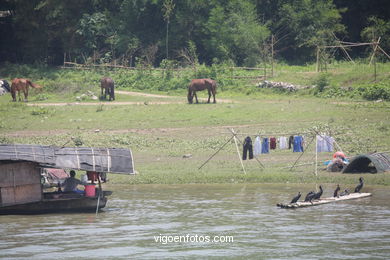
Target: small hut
369, 163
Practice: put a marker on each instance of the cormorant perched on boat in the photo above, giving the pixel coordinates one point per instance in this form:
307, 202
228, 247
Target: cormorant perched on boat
360, 185
318, 195
309, 196
296, 198
335, 194
344, 193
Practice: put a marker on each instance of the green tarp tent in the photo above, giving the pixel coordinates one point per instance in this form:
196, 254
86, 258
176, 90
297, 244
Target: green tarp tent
372, 163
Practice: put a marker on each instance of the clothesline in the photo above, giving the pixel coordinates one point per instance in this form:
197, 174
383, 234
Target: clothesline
266, 134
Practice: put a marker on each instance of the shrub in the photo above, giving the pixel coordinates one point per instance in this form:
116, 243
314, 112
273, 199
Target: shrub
375, 92
321, 82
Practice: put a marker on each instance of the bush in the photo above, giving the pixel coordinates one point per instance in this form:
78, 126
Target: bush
375, 92
321, 82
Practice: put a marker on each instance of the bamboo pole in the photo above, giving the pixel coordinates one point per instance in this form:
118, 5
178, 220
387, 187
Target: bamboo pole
376, 44
238, 152
302, 153
316, 152
318, 59
215, 153
272, 55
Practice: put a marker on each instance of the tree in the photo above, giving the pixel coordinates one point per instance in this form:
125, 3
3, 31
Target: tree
168, 7
377, 28
233, 32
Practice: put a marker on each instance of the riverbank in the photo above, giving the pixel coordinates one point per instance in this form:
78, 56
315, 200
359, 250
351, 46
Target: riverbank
171, 139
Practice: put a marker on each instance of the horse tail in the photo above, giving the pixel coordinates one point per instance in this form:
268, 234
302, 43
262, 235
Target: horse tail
33, 85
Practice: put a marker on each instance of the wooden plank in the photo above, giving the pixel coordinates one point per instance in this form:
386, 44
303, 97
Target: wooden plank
20, 173
301, 204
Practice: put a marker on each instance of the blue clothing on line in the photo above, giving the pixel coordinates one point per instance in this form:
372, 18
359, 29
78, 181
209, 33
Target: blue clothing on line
297, 144
265, 146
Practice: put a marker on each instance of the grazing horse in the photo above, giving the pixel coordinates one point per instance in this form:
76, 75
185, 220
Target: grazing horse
201, 84
21, 85
108, 85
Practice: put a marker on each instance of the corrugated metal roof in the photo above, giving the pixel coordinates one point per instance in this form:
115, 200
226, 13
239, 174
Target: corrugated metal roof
373, 163
115, 160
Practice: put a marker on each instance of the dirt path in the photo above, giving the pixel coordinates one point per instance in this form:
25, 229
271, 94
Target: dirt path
130, 93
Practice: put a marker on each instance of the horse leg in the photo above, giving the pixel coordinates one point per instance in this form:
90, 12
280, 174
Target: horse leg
196, 97
13, 94
25, 92
214, 96
112, 93
208, 101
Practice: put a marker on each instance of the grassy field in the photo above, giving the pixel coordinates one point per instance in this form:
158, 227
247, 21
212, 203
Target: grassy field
170, 141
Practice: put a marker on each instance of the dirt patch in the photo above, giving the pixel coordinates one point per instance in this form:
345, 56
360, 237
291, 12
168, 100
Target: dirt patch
126, 103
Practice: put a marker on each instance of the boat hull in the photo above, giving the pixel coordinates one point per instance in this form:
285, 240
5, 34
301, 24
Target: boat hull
81, 204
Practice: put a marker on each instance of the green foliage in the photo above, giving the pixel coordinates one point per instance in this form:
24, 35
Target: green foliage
376, 91
321, 82
122, 31
40, 111
78, 141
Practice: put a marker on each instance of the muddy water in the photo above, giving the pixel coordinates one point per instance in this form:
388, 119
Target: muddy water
142, 222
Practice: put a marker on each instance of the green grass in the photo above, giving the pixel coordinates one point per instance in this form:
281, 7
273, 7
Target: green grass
159, 135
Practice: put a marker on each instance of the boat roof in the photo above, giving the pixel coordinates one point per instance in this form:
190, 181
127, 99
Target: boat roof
114, 160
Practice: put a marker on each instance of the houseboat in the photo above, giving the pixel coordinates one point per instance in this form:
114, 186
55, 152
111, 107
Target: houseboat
21, 187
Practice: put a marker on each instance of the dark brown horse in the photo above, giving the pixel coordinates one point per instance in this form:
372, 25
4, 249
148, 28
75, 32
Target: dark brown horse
201, 84
108, 85
19, 85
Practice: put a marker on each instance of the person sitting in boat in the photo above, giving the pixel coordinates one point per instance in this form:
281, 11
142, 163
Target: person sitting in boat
70, 184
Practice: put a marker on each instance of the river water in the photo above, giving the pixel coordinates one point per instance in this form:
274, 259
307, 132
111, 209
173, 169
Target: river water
143, 221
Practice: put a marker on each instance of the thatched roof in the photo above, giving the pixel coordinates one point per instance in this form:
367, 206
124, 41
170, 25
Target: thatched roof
372, 163
115, 160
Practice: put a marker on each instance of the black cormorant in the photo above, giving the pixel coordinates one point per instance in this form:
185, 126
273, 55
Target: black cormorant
318, 195
336, 191
344, 193
296, 198
360, 185
309, 196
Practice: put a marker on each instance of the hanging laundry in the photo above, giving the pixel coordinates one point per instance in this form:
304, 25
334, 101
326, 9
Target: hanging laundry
324, 143
257, 146
282, 142
320, 143
298, 144
329, 143
272, 144
265, 146
247, 148
290, 141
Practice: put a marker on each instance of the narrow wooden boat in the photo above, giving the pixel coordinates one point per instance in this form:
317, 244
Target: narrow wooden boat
301, 204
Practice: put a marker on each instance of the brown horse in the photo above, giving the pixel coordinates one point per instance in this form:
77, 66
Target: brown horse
201, 84
21, 85
108, 85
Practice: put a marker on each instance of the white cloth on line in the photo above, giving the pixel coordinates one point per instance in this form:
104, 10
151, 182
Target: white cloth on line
257, 146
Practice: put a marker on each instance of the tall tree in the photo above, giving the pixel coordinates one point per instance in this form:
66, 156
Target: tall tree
233, 32
168, 7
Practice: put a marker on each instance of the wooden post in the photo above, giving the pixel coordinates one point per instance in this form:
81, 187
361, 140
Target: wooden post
318, 59
272, 55
315, 164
